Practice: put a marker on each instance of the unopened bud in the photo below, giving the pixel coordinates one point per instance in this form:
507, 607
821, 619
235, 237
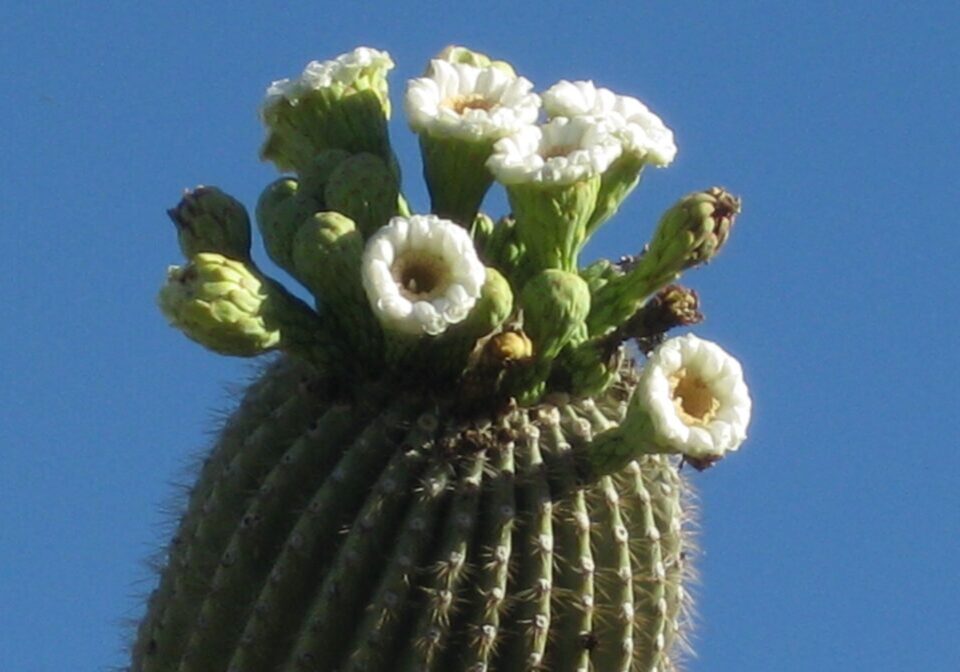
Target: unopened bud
693, 231
218, 302
457, 54
365, 189
209, 220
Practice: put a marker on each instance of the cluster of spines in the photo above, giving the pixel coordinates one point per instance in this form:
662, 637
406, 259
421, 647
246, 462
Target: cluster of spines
373, 536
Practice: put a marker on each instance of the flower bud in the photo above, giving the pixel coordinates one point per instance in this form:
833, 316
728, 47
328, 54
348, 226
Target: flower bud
209, 220
555, 304
326, 256
689, 234
218, 303
693, 231
315, 176
457, 54
364, 189
281, 209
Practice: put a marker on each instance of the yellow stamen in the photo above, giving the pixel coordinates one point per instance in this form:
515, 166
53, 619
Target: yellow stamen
693, 398
473, 101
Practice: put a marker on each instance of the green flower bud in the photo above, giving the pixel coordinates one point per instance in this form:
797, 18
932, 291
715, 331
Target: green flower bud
689, 234
281, 209
341, 104
599, 273
694, 230
315, 176
326, 258
555, 304
492, 308
503, 249
218, 302
327, 253
209, 220
456, 54
481, 230
364, 189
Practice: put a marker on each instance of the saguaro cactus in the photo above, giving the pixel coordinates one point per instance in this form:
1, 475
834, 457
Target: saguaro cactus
454, 463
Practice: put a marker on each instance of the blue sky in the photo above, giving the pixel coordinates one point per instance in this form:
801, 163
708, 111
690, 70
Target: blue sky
829, 542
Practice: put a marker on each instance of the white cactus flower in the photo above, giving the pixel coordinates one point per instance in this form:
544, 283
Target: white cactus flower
640, 130
696, 398
560, 152
462, 101
421, 274
363, 63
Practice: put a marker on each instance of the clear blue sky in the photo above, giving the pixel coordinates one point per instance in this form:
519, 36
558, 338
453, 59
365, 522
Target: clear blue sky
831, 541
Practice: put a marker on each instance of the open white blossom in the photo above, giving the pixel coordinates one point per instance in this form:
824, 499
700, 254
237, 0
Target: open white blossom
640, 130
421, 274
345, 70
696, 398
457, 100
560, 152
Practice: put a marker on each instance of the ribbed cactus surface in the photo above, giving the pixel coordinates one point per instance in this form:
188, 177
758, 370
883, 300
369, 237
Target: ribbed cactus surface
455, 463
385, 534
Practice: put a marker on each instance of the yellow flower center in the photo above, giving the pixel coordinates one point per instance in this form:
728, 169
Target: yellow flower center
558, 150
693, 398
421, 276
472, 101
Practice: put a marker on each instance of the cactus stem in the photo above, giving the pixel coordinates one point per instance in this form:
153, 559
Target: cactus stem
248, 558
384, 617
212, 523
338, 602
574, 589
494, 548
646, 552
257, 405
529, 622
614, 628
446, 575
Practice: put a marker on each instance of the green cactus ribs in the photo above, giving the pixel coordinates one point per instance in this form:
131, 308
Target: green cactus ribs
454, 463
329, 535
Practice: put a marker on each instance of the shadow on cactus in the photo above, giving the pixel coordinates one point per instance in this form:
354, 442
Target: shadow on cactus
454, 464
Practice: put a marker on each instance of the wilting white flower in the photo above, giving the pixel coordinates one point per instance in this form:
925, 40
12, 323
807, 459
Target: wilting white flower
560, 152
462, 101
696, 398
640, 130
421, 274
346, 70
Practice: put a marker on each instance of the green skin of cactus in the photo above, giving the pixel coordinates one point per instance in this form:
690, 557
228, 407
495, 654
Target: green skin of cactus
379, 531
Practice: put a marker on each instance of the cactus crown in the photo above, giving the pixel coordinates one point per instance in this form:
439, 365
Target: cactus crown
456, 465
428, 300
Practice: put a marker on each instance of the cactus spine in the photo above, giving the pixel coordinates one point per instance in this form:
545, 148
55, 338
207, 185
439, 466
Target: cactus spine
418, 480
